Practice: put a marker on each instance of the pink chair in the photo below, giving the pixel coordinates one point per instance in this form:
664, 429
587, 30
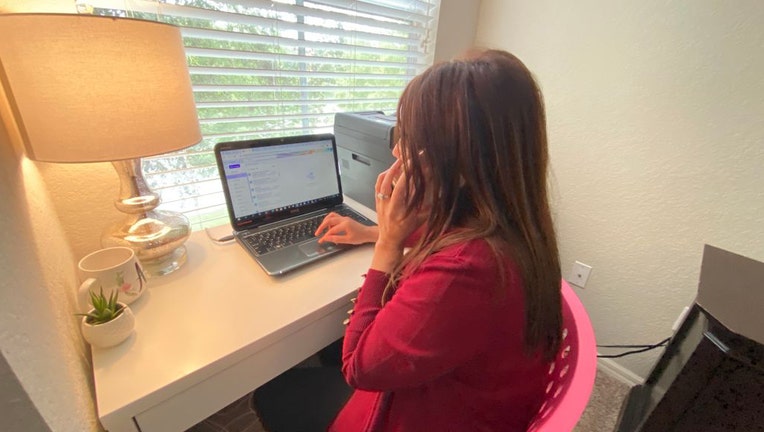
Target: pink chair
571, 375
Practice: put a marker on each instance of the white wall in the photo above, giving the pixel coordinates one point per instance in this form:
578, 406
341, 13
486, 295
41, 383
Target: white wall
457, 24
39, 334
656, 126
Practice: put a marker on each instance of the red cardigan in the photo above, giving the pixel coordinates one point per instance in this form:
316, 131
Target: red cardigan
445, 353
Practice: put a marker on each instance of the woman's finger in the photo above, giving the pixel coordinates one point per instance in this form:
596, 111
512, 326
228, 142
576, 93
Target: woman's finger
380, 179
330, 238
386, 187
401, 183
333, 234
329, 221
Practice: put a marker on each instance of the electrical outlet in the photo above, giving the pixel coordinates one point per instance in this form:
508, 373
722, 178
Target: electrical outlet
580, 274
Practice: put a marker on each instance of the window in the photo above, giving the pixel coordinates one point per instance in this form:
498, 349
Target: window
283, 67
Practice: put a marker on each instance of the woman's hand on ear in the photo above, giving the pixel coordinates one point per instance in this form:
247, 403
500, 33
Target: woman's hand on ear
396, 222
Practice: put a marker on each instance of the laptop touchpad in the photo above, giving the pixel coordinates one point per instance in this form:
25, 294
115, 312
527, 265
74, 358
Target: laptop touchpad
313, 248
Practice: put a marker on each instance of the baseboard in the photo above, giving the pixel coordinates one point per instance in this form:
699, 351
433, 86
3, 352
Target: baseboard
619, 372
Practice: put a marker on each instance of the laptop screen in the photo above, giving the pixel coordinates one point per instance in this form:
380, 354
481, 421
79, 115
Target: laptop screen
267, 180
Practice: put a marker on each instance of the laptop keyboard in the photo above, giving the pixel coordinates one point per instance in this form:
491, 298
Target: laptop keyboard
266, 241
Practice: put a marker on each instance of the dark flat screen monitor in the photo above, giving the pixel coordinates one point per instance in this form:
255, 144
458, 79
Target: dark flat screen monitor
709, 379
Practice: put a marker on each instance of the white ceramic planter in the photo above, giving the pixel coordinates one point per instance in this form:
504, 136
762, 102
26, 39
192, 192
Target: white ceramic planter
111, 333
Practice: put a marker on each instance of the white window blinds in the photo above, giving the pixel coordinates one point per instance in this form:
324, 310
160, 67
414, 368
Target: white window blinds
283, 67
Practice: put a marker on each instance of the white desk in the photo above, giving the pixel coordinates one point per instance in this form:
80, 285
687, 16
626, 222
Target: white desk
217, 329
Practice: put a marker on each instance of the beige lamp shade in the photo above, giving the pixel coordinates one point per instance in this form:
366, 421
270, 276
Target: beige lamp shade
85, 88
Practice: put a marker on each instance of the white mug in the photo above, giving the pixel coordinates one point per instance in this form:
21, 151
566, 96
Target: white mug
113, 269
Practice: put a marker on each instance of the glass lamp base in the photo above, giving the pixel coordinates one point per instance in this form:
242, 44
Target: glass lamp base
165, 264
156, 236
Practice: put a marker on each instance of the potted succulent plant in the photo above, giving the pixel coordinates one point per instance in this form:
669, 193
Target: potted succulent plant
109, 322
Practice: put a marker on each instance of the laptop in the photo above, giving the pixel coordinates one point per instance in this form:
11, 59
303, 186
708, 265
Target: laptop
278, 191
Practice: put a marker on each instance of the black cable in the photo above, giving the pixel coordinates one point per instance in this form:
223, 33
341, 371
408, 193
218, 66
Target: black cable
626, 346
637, 351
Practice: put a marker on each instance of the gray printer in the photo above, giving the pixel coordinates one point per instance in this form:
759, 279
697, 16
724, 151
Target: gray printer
365, 142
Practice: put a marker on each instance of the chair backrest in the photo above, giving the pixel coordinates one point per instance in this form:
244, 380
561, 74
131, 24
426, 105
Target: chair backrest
572, 373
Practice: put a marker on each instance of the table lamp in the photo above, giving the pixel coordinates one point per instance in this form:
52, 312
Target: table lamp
84, 88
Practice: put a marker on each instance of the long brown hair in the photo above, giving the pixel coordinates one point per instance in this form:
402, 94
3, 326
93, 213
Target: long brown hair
473, 142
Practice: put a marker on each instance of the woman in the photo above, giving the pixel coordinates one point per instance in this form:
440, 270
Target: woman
456, 333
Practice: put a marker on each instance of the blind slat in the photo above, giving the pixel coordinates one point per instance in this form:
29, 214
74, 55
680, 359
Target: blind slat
266, 133
232, 36
309, 89
252, 104
286, 58
419, 5
402, 46
243, 72
417, 11
266, 118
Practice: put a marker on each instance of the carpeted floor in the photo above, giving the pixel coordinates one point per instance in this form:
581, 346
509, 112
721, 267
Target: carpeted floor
600, 415
604, 405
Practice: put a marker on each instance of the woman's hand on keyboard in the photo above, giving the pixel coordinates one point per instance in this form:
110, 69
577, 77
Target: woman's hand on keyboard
344, 230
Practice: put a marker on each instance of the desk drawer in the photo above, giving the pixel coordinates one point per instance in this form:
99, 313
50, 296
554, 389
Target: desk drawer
204, 399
